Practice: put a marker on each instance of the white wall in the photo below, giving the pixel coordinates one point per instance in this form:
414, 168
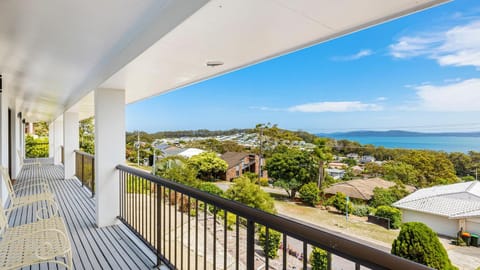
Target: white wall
4, 103
440, 225
473, 225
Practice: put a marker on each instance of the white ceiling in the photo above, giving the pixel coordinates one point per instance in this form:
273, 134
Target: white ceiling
54, 52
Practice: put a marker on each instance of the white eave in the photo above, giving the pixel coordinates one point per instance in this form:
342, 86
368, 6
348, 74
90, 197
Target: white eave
53, 53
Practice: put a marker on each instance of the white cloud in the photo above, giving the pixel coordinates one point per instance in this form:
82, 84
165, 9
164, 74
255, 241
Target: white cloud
335, 106
455, 97
381, 99
458, 46
358, 55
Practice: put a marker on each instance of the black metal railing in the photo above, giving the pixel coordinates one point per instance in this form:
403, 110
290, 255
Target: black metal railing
191, 229
85, 169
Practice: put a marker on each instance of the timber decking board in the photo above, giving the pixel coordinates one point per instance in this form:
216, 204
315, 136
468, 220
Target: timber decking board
93, 248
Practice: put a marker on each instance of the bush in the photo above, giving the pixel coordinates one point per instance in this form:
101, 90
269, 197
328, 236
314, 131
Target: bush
263, 182
246, 192
211, 188
387, 196
309, 193
274, 237
417, 242
391, 213
361, 210
318, 259
339, 201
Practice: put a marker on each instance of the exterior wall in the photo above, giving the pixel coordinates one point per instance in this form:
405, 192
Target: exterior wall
440, 225
231, 172
473, 225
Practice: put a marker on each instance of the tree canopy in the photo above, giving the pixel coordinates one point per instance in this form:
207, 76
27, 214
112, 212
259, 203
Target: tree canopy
245, 191
208, 165
291, 169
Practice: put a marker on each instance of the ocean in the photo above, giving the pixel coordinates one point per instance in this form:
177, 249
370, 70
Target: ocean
440, 143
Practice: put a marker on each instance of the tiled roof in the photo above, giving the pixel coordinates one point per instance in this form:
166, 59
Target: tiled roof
234, 158
454, 201
361, 188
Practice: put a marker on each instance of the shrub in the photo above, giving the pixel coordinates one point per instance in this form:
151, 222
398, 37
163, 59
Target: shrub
246, 192
318, 259
211, 188
361, 210
387, 196
339, 201
391, 213
417, 242
274, 237
309, 193
263, 182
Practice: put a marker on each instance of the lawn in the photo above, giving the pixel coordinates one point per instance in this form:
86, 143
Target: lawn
357, 226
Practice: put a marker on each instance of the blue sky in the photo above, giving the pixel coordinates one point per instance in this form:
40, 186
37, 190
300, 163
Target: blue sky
420, 72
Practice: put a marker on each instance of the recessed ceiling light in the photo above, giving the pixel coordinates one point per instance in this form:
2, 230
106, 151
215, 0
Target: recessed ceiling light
214, 63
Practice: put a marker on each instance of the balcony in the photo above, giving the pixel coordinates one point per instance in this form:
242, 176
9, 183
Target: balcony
67, 61
178, 227
113, 247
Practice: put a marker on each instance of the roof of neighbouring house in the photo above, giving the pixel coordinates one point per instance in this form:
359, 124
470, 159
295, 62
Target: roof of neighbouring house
454, 201
190, 152
233, 158
362, 188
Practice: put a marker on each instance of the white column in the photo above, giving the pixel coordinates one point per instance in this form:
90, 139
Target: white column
15, 144
3, 141
70, 142
109, 152
51, 140
57, 140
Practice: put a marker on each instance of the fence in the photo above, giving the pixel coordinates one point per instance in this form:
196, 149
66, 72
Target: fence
191, 229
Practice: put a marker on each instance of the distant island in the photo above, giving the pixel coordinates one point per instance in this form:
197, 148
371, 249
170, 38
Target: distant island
398, 133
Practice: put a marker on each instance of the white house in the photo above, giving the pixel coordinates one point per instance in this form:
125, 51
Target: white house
446, 209
335, 173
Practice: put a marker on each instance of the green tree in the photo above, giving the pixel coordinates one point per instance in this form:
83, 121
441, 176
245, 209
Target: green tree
324, 153
318, 259
387, 196
245, 191
178, 171
418, 243
433, 168
87, 135
290, 169
208, 165
40, 129
211, 188
310, 193
401, 171
462, 163
271, 246
339, 201
391, 213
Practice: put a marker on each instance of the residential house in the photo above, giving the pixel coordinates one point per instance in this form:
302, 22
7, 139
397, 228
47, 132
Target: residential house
335, 173
446, 209
361, 189
337, 165
240, 163
367, 159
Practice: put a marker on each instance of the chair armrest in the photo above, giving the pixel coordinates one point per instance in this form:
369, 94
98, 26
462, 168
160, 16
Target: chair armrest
44, 186
53, 206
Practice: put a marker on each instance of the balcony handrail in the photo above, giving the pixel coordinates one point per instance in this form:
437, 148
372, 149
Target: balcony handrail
84, 153
320, 237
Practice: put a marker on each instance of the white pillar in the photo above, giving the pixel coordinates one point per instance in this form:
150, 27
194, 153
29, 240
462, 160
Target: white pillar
51, 140
109, 152
70, 142
57, 140
3, 141
15, 128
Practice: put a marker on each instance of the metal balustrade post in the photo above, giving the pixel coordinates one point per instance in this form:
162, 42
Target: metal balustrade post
250, 244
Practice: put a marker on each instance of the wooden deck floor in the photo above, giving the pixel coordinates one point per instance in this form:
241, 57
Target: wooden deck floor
113, 247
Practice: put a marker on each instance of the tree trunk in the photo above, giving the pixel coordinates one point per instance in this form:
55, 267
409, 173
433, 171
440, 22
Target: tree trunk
321, 175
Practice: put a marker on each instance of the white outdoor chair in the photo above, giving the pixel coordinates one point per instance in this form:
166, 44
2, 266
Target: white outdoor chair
19, 201
45, 240
35, 162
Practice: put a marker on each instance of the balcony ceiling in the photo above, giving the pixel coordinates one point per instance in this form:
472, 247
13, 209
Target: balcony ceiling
54, 52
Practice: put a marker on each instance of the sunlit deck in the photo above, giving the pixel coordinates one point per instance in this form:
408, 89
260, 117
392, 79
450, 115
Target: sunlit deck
93, 248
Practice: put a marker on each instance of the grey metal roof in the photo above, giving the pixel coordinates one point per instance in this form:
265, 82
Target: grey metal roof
453, 201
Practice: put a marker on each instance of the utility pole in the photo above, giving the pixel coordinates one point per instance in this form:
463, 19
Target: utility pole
138, 148
261, 149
